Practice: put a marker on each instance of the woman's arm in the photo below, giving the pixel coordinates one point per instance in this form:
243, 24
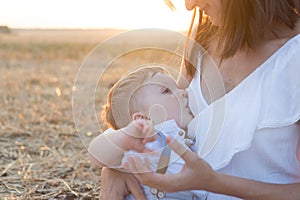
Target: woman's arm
250, 189
198, 175
108, 149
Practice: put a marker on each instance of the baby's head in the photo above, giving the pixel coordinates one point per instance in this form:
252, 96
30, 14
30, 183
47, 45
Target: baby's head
149, 92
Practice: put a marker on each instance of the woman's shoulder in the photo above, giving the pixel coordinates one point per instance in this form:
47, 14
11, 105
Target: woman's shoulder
283, 50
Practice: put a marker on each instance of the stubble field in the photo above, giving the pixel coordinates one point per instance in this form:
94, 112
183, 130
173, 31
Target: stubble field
41, 153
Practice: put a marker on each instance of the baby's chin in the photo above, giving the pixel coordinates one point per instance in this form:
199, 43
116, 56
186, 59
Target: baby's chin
184, 124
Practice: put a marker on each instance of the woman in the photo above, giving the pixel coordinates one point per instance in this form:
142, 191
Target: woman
256, 46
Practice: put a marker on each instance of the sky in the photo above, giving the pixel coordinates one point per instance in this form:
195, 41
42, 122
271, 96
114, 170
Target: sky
85, 14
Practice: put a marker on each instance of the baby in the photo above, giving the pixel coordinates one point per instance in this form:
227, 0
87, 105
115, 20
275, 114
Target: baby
142, 109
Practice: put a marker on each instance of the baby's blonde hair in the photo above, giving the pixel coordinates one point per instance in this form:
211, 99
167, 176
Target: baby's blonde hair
118, 110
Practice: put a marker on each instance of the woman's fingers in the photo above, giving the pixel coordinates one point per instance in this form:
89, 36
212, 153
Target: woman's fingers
144, 174
196, 173
136, 165
182, 150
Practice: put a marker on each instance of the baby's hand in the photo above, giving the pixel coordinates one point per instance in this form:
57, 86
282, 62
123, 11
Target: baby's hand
138, 133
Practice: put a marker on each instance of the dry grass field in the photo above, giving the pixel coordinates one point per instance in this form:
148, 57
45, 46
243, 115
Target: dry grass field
41, 153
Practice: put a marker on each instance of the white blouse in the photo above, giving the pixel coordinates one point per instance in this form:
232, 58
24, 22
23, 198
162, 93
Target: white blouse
251, 132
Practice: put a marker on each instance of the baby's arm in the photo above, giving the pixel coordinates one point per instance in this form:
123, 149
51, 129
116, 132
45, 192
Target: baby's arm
108, 149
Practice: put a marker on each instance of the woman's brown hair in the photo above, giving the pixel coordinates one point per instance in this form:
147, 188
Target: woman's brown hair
243, 23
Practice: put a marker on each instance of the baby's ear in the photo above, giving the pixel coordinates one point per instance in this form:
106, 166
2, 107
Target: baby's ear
138, 115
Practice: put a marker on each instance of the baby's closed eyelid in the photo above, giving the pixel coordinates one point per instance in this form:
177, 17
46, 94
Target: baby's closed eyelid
166, 91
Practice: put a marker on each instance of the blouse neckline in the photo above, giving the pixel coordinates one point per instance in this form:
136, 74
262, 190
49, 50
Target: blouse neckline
259, 68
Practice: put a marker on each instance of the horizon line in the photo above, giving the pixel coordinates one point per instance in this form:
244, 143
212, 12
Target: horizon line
84, 28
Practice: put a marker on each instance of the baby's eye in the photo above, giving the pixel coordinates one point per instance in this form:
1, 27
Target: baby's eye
166, 91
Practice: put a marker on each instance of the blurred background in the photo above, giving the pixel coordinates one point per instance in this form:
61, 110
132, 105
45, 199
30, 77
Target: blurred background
43, 44
93, 14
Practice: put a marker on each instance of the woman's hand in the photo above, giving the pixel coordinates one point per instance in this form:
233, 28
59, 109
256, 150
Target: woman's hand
195, 175
116, 185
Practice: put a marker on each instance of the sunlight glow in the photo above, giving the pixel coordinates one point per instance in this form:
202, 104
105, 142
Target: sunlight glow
128, 14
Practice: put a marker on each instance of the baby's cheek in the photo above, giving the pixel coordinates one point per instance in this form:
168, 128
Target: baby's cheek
158, 113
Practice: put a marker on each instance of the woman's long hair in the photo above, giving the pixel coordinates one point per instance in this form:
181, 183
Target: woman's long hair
243, 24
